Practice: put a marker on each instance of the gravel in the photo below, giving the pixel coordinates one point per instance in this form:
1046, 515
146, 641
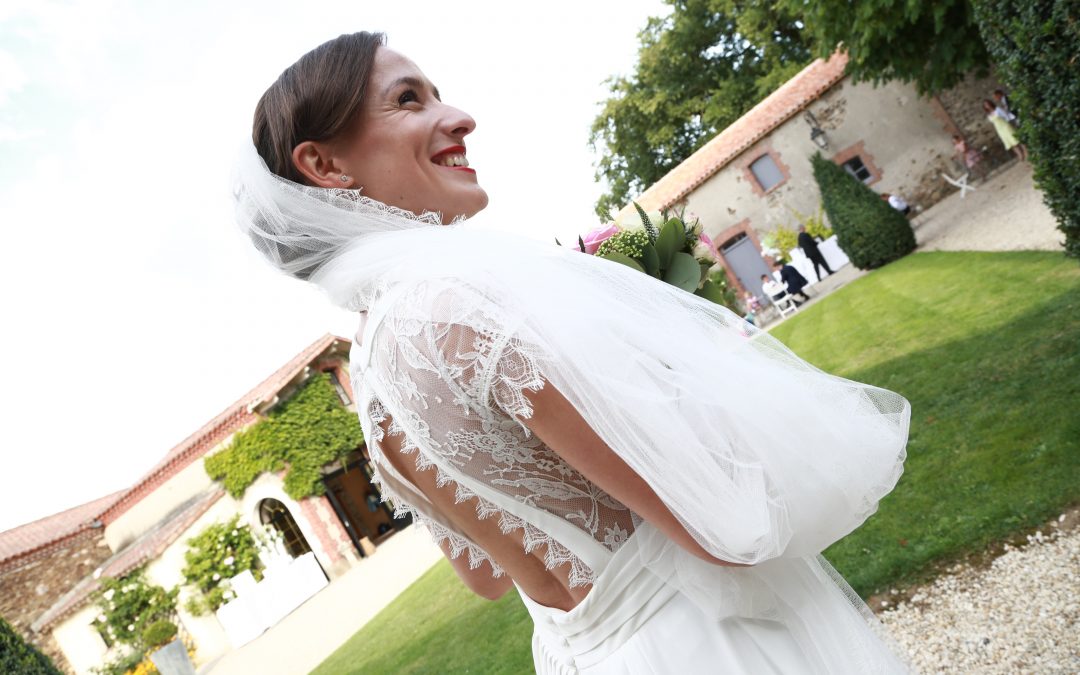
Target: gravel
1005, 213
1021, 614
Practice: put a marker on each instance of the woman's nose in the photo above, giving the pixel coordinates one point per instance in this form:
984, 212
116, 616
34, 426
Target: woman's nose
456, 122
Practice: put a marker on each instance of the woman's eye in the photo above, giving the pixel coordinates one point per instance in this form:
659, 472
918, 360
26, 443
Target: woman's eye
408, 96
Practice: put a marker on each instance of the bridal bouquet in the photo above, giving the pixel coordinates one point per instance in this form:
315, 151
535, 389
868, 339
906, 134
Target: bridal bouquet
665, 246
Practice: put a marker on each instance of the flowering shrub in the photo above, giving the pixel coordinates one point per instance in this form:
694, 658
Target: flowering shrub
215, 555
128, 605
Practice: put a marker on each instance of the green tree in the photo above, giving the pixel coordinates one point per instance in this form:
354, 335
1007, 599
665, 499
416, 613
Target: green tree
869, 231
19, 656
1036, 45
931, 43
699, 69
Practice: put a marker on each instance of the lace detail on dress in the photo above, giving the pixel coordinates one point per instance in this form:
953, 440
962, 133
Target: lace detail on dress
457, 395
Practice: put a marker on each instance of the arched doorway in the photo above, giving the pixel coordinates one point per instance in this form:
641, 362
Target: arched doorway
272, 513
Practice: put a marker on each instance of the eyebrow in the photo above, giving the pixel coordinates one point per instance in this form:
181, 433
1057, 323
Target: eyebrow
412, 82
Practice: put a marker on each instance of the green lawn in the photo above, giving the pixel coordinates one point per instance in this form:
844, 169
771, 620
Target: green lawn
986, 346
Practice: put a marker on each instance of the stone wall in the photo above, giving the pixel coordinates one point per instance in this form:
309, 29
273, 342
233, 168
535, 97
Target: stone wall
30, 585
964, 105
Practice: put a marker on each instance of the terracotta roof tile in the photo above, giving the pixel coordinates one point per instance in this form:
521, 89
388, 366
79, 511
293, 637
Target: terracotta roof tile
220, 427
147, 547
778, 107
26, 539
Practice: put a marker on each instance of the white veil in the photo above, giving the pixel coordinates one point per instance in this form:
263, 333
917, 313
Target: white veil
757, 453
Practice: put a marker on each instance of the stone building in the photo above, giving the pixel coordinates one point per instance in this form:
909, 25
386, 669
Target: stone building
749, 178
49, 569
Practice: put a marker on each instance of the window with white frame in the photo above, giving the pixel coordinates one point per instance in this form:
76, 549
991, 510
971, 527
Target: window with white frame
766, 172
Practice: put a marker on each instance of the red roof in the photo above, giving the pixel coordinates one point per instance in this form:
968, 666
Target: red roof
31, 537
147, 547
778, 107
26, 539
235, 417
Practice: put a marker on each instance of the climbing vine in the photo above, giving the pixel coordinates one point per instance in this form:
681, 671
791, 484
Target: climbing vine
305, 433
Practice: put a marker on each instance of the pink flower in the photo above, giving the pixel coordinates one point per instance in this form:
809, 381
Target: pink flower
598, 236
705, 238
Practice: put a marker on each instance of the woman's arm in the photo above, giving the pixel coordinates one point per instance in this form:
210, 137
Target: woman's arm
559, 425
480, 580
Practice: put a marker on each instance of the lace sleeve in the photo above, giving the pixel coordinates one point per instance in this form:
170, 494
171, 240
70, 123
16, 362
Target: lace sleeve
454, 384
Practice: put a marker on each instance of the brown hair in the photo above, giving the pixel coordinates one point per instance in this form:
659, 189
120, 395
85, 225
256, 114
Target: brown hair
316, 99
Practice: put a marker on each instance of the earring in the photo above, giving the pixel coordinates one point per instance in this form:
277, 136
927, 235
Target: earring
344, 178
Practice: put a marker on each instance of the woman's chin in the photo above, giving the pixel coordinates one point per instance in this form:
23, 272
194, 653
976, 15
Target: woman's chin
466, 208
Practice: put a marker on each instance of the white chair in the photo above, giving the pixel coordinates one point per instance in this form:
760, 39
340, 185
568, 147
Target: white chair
785, 304
961, 182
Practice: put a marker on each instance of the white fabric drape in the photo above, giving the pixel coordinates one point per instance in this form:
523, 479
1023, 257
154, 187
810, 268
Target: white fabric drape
763, 458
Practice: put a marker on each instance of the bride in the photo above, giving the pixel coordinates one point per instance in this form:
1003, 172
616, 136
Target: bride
652, 475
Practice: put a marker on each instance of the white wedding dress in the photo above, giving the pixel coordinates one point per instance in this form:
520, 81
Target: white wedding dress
762, 458
452, 384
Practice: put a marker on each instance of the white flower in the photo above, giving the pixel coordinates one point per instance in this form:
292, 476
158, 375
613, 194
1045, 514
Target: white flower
108, 595
131, 627
629, 219
216, 577
228, 561
101, 618
703, 252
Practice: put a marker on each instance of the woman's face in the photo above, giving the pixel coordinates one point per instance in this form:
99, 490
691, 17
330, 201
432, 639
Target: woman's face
409, 150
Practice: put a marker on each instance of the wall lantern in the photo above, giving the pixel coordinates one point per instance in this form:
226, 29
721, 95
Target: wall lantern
817, 134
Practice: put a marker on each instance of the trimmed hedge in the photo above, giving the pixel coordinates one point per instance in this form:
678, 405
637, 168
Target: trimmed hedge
869, 231
19, 656
1036, 47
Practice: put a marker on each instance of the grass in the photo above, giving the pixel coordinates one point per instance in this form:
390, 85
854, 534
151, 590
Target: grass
986, 346
439, 626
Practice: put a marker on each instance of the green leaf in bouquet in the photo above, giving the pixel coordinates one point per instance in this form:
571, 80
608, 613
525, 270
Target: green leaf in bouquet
671, 240
651, 261
650, 229
705, 267
623, 259
581, 244
711, 291
683, 271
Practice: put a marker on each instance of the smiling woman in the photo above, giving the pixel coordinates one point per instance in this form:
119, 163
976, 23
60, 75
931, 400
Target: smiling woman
553, 418
318, 125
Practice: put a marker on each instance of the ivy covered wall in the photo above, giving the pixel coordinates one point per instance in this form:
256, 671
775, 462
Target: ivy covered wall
300, 436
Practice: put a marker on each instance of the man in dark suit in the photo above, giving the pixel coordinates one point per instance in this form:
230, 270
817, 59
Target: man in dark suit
809, 247
795, 282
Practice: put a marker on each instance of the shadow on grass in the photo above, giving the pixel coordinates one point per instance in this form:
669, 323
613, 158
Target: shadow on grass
994, 448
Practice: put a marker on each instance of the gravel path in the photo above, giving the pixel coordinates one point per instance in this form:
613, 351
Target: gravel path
1021, 614
1005, 213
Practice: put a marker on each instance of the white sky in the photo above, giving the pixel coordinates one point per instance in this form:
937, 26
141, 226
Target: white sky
134, 311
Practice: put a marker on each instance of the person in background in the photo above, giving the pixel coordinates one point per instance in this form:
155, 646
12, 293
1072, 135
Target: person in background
1004, 129
1005, 110
810, 248
775, 290
969, 157
793, 279
897, 202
